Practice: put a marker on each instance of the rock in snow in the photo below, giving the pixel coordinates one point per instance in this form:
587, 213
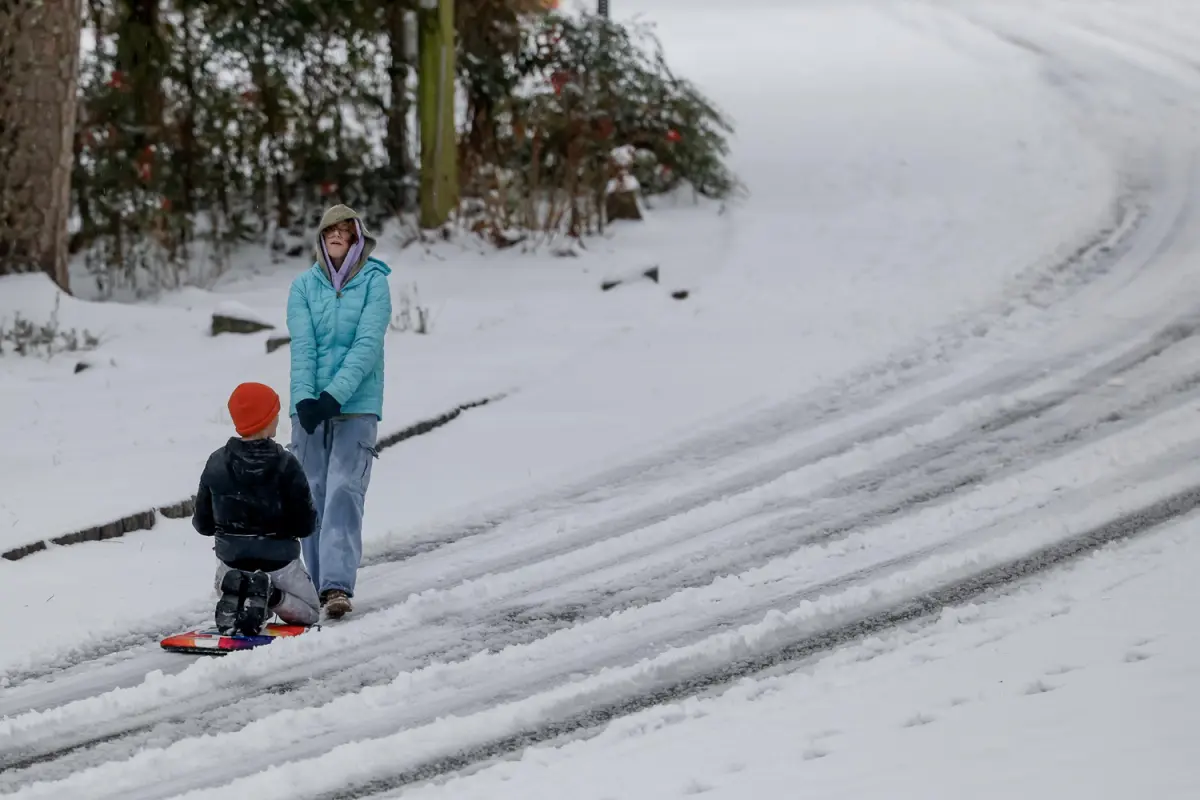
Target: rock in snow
234, 317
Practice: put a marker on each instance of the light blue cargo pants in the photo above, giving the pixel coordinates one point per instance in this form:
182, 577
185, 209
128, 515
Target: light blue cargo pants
337, 460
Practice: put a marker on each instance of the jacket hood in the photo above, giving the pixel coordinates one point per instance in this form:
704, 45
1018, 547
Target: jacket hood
332, 216
250, 461
369, 264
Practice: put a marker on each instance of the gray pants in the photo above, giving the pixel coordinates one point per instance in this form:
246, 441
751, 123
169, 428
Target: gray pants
300, 605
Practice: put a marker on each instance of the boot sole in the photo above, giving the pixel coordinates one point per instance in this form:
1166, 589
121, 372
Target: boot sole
243, 607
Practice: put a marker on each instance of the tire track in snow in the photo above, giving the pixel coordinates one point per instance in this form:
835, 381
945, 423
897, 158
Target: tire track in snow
951, 463
921, 608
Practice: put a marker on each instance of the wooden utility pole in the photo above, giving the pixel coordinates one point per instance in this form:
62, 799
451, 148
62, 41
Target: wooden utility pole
39, 73
435, 109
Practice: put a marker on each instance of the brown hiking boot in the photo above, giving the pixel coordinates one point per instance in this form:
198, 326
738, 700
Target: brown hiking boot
336, 603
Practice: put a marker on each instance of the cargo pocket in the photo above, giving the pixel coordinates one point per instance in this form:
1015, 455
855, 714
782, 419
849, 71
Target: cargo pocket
369, 454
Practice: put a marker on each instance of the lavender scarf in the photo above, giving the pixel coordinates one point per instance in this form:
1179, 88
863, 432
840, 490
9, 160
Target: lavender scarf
338, 276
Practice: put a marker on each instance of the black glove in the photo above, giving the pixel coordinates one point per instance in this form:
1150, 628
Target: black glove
313, 412
306, 410
327, 408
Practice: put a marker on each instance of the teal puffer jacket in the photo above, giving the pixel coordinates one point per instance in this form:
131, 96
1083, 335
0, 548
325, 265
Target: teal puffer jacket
337, 337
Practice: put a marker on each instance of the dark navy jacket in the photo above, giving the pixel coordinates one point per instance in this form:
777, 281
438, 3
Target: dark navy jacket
254, 499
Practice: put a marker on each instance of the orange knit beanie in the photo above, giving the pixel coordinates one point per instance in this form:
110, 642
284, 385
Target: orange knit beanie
253, 406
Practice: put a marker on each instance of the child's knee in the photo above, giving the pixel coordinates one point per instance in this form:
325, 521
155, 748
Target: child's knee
299, 613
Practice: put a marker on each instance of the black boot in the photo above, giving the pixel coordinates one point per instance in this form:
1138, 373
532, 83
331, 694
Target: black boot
242, 608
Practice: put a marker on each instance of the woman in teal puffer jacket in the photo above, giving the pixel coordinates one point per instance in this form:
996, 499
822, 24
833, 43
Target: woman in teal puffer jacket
338, 314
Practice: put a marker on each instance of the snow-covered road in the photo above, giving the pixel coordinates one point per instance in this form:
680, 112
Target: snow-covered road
1054, 413
810, 558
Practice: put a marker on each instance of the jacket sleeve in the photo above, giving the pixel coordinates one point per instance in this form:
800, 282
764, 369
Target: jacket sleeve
299, 510
304, 343
202, 516
366, 351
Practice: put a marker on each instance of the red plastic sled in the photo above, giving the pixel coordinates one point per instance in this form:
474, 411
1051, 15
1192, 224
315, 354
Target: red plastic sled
210, 642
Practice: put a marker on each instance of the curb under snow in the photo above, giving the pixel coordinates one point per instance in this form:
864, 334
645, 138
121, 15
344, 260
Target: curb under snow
145, 520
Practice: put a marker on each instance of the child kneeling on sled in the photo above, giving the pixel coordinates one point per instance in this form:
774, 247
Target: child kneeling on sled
255, 501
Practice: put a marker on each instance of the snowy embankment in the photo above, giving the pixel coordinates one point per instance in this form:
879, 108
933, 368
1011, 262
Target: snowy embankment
905, 260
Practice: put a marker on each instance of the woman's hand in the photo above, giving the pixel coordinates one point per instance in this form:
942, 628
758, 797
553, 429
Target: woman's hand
327, 407
306, 411
313, 412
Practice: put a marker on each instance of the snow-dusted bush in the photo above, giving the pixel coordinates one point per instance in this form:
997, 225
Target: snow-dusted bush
24, 337
410, 314
578, 103
206, 126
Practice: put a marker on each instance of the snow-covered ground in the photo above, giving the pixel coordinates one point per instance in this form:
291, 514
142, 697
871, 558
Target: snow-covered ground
1079, 685
947, 336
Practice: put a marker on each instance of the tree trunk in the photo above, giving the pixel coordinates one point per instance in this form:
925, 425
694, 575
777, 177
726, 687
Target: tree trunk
188, 155
142, 58
39, 73
400, 166
260, 74
439, 146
